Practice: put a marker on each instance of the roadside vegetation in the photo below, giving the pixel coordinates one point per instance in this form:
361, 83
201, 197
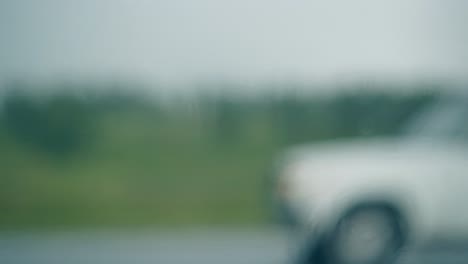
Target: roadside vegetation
71, 158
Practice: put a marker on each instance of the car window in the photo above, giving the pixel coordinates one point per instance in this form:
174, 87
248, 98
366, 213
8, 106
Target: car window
440, 121
461, 129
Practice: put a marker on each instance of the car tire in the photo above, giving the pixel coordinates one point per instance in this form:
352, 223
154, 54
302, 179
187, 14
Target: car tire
366, 234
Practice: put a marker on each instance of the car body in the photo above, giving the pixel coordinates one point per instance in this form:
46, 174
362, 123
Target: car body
421, 177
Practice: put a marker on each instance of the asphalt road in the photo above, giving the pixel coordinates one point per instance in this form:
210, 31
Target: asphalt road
182, 247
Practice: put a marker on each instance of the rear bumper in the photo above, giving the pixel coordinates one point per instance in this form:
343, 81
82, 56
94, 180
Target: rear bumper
281, 212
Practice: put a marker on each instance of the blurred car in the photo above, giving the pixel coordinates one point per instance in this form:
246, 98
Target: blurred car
363, 200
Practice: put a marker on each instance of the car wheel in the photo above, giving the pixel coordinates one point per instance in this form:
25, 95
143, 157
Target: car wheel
368, 234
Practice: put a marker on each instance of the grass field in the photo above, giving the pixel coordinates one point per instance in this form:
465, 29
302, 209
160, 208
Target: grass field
136, 171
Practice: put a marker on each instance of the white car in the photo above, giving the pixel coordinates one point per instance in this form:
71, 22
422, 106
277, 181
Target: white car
363, 200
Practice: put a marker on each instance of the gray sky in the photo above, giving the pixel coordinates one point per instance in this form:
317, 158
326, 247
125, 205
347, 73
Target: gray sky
261, 40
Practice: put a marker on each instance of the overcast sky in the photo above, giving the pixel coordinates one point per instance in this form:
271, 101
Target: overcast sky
260, 40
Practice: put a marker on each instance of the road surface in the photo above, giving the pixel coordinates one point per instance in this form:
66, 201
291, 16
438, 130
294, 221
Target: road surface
182, 247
